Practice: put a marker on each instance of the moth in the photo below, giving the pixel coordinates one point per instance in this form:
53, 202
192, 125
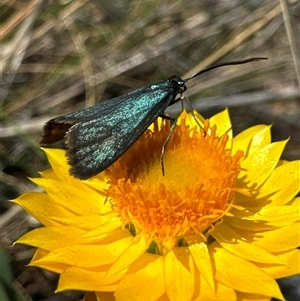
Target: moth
97, 136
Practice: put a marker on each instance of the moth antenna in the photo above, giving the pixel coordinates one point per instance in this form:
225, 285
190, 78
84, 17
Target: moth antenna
240, 62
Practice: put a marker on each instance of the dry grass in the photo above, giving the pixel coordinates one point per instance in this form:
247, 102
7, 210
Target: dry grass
58, 56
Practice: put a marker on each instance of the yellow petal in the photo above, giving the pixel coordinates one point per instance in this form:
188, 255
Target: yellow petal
222, 292
51, 238
236, 244
223, 123
248, 225
275, 216
55, 267
258, 166
132, 253
190, 119
98, 182
88, 222
60, 168
282, 239
108, 230
72, 198
291, 267
58, 161
283, 184
179, 274
242, 275
250, 297
39, 253
49, 174
87, 280
202, 261
35, 203
260, 140
86, 255
295, 202
243, 140
144, 280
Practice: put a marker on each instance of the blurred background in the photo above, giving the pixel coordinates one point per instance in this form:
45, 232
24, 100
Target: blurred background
60, 56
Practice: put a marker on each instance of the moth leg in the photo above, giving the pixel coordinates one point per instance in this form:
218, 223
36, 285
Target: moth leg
167, 117
204, 132
191, 109
166, 142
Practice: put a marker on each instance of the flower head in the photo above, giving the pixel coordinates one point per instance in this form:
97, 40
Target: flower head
221, 224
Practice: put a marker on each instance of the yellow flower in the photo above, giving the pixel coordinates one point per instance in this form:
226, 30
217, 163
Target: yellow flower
222, 224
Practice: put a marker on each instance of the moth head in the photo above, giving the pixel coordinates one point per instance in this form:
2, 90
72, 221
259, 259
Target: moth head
179, 82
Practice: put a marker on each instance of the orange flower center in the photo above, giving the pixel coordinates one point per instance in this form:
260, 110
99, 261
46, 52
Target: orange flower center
197, 189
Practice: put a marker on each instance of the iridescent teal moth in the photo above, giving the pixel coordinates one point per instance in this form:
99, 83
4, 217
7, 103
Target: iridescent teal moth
97, 136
